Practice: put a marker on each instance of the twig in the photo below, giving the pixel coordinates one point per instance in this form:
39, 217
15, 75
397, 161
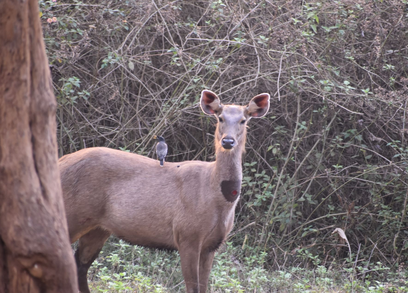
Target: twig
280, 70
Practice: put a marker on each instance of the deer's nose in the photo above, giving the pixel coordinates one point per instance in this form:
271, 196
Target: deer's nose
228, 143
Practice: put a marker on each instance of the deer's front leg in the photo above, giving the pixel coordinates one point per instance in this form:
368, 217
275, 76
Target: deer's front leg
206, 261
189, 256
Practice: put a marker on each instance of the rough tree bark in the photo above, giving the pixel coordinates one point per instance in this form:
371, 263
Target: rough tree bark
35, 254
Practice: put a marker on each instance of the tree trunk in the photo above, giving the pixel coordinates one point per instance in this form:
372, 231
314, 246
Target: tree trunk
35, 254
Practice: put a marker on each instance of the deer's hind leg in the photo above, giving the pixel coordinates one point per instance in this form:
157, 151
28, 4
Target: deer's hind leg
88, 250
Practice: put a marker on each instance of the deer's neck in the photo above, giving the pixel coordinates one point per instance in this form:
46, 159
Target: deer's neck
228, 173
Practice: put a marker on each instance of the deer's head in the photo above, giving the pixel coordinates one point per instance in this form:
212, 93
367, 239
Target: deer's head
232, 119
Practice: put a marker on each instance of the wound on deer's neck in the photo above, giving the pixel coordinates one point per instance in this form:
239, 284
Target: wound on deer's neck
231, 189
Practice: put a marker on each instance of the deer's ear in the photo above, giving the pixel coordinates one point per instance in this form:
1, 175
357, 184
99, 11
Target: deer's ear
210, 103
258, 106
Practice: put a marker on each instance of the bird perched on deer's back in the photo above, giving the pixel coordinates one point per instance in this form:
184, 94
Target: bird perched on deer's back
161, 149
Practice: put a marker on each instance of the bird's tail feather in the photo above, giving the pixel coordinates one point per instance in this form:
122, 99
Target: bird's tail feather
161, 162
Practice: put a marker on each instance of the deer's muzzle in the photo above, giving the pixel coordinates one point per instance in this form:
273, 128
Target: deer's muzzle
228, 143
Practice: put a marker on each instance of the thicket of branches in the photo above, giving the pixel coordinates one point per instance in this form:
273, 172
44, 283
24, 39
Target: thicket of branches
332, 152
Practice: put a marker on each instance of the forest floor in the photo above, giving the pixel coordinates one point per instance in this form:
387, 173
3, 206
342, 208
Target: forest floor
125, 268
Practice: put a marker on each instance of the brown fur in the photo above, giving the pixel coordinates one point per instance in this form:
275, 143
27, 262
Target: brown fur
180, 206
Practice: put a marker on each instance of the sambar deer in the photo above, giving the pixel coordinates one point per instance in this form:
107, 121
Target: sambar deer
187, 206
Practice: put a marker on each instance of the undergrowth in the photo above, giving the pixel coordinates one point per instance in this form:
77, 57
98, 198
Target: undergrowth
125, 268
331, 154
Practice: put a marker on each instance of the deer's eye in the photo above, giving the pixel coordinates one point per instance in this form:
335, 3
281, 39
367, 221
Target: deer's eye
243, 121
220, 119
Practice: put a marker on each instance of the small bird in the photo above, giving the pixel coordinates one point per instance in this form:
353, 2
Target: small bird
161, 149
